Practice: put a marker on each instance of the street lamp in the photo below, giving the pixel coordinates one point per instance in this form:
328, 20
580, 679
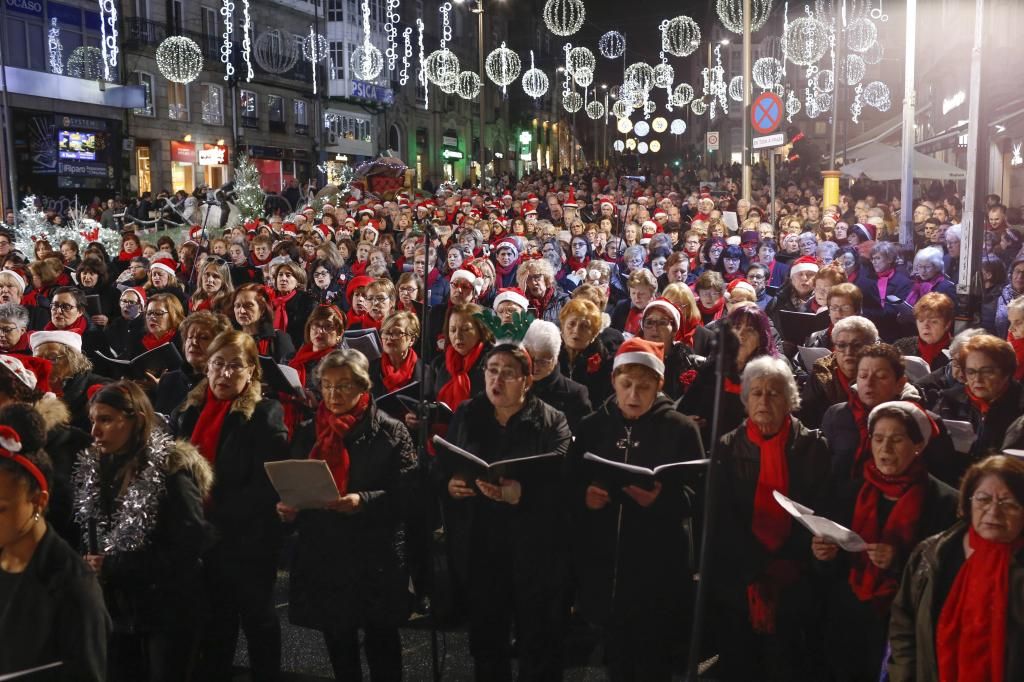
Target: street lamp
478, 10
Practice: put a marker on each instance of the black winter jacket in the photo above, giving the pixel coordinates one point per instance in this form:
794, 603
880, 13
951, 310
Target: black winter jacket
592, 367
565, 395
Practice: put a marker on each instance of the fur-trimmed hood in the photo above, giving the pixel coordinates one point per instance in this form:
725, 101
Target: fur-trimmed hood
53, 411
244, 403
183, 456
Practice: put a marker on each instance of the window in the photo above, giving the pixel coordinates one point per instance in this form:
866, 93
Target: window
275, 113
177, 101
350, 127
25, 44
301, 117
142, 9
211, 36
350, 61
177, 15
353, 14
248, 105
213, 104
146, 81
336, 69
335, 10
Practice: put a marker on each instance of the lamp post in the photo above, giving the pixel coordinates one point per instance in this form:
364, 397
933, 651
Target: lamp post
478, 10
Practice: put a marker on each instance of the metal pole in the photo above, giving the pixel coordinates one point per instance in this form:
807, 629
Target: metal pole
746, 100
771, 175
973, 221
5, 121
909, 104
835, 92
483, 90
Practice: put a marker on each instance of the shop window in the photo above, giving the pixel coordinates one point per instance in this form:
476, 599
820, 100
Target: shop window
146, 81
142, 165
300, 113
213, 104
177, 101
275, 113
248, 108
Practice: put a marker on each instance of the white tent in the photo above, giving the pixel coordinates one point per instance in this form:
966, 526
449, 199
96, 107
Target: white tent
888, 165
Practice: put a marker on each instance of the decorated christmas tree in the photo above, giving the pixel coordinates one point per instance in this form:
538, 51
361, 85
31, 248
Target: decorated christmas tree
249, 197
33, 226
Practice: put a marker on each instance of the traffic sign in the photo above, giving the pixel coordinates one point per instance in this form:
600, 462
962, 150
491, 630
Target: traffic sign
712, 138
769, 141
766, 113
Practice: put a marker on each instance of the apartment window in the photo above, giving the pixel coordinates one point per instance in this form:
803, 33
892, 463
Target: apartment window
249, 108
211, 33
335, 10
355, 17
177, 101
350, 62
177, 15
336, 70
300, 113
213, 104
275, 113
142, 9
25, 44
146, 81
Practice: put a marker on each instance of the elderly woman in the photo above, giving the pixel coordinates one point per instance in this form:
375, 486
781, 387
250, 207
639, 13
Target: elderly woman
253, 315
844, 300
238, 430
587, 348
826, 278
163, 317
929, 276
12, 286
631, 541
893, 505
831, 377
661, 323
536, 279
626, 314
325, 328
71, 375
215, 288
891, 286
543, 341
94, 281
381, 296
764, 611
68, 313
348, 565
136, 477
14, 329
1013, 289
291, 304
990, 398
957, 613
197, 331
933, 315
399, 365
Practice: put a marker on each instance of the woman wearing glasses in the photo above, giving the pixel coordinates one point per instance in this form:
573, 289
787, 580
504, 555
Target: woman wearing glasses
348, 569
214, 290
163, 317
71, 372
957, 614
325, 287
893, 505
380, 296
324, 329
68, 313
399, 364
660, 322
832, 376
235, 428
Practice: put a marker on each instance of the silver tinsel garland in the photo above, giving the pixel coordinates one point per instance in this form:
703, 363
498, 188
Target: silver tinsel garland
33, 226
136, 512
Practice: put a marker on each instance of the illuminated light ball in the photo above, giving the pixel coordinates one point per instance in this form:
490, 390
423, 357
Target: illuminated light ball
793, 104
583, 77
631, 144
664, 75
639, 75
655, 146
618, 145
612, 45
622, 110
854, 69
595, 110
315, 49
449, 88
580, 58
861, 34
659, 125
873, 55
824, 80
275, 52
680, 37
503, 66
767, 72
649, 107
624, 125
178, 58
642, 148
641, 129
468, 85
572, 102
442, 67
805, 41
678, 127
736, 89
535, 82
730, 12
564, 17
875, 93
367, 62
683, 94
698, 107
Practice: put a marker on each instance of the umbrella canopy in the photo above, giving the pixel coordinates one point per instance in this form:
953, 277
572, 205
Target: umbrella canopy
888, 165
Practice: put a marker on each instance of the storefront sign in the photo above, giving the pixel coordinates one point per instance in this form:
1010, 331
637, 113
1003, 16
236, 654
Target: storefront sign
258, 152
373, 92
33, 7
183, 152
213, 155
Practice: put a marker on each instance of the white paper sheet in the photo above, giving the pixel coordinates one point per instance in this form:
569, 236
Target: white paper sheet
303, 483
820, 526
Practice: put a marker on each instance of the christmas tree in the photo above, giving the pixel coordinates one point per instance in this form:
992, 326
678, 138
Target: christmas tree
33, 226
249, 196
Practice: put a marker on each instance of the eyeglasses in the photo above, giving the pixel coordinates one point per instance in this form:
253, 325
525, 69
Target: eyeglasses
378, 299
840, 308
53, 357
393, 334
984, 502
153, 314
343, 387
503, 374
654, 323
981, 372
851, 347
324, 328
7, 331
409, 289
227, 368
63, 307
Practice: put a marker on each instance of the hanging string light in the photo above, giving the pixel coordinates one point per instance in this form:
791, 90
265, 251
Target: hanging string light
55, 48
247, 42
680, 37
856, 107
227, 13
503, 66
793, 105
663, 76
612, 45
730, 13
391, 31
716, 90
535, 81
861, 34
564, 17
367, 60
108, 37
421, 76
314, 49
767, 72
403, 75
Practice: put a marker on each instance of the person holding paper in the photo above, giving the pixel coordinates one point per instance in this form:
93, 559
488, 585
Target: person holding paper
508, 536
163, 318
630, 549
348, 569
94, 280
763, 607
139, 507
897, 504
237, 430
933, 315
957, 613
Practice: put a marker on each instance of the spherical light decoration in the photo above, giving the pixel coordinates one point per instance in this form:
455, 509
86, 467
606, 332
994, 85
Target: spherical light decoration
595, 110
572, 102
503, 66
823, 101
624, 125
640, 75
655, 146
86, 62
618, 145
683, 94
275, 51
535, 82
641, 129
449, 88
792, 104
612, 45
580, 58
367, 62
468, 85
854, 70
315, 49
884, 105
650, 107
678, 127
730, 12
179, 59
631, 144
698, 107
680, 37
664, 75
659, 125
861, 34
633, 95
583, 77
642, 148
736, 89
622, 110
767, 72
876, 93
564, 17
442, 67
824, 80
805, 41
873, 55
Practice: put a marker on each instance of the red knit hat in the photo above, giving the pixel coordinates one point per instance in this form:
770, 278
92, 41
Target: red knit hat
637, 351
357, 283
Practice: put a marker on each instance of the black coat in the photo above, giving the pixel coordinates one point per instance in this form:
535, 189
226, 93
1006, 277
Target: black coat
598, 356
109, 299
274, 343
908, 346
350, 569
631, 562
699, 401
299, 308
990, 429
565, 395
119, 330
174, 387
56, 614
681, 365
437, 376
76, 397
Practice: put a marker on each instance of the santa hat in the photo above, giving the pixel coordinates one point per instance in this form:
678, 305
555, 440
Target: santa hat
290, 228
741, 284
804, 264
252, 225
649, 227
507, 244
325, 230
369, 233
308, 209
571, 201
866, 233
365, 209
512, 295
506, 195
32, 371
660, 213
667, 306
65, 338
140, 291
637, 351
533, 198
925, 424
196, 232
732, 240
327, 205
165, 264
469, 274
17, 277
531, 211
607, 202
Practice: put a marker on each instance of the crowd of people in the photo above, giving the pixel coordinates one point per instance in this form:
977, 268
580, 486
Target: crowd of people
576, 333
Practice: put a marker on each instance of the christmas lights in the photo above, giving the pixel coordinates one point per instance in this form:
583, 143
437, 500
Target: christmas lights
179, 59
564, 17
421, 76
861, 34
680, 36
274, 52
730, 12
767, 72
468, 85
403, 75
391, 31
227, 13
535, 81
678, 127
805, 41
247, 42
595, 110
442, 67
572, 101
108, 38
612, 45
503, 66
55, 48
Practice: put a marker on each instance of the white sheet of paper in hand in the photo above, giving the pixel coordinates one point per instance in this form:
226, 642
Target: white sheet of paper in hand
820, 526
303, 483
962, 434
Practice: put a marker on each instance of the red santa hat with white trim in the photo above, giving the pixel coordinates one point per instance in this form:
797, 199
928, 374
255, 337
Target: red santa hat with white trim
165, 264
571, 201
925, 424
637, 351
512, 295
741, 284
666, 306
804, 264
474, 278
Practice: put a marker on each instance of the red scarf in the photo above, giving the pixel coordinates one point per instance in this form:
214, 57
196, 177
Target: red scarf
860, 417
687, 330
868, 582
432, 277
712, 313
771, 523
206, 434
458, 388
280, 312
149, 342
730, 386
503, 272
124, 256
359, 268
330, 446
394, 377
883, 283
1018, 348
980, 404
204, 304
970, 640
304, 356
541, 304
633, 320
930, 351
577, 263
78, 326
22, 347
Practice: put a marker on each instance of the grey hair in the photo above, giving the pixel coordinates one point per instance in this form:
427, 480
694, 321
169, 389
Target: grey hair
858, 325
930, 254
350, 359
956, 232
887, 249
633, 250
963, 337
12, 312
543, 337
829, 248
767, 367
